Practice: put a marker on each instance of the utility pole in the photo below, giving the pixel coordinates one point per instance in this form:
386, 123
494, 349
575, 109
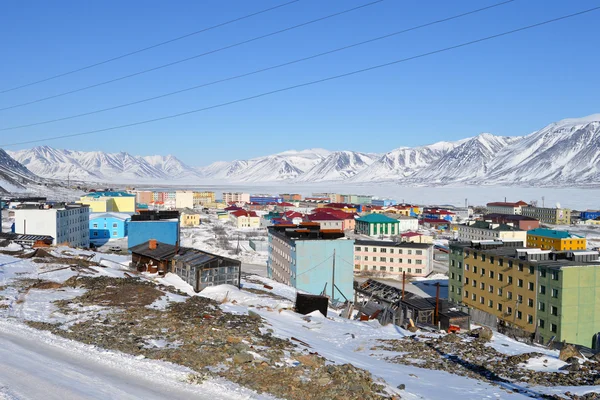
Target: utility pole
437, 303
333, 278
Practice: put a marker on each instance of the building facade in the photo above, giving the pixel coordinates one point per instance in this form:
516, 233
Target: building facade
235, 197
184, 199
383, 202
264, 199
545, 294
481, 230
377, 225
304, 257
105, 226
503, 207
144, 197
203, 199
549, 239
189, 218
393, 258
65, 223
101, 202
245, 219
326, 221
162, 226
518, 221
554, 216
291, 197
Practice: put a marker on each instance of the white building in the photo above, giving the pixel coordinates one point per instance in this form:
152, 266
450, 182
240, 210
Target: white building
184, 199
502, 207
65, 223
236, 197
481, 230
407, 223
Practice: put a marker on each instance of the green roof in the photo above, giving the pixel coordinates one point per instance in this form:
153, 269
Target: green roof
550, 233
109, 194
377, 219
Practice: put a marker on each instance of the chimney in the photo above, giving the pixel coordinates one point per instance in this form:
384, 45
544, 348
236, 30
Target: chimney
152, 244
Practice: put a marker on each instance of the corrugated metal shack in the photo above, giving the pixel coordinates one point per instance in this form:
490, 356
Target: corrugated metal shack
152, 256
420, 309
201, 269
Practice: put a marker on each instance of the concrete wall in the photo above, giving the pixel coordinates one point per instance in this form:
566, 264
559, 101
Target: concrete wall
69, 226
102, 229
142, 231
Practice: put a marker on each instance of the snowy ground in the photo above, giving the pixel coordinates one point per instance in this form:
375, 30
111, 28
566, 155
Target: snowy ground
35, 364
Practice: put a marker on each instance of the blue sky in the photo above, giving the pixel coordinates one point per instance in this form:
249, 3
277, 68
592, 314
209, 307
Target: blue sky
508, 86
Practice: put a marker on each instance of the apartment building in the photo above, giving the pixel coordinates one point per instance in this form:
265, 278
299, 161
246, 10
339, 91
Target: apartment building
393, 258
550, 239
291, 197
554, 216
236, 197
303, 256
519, 221
65, 223
546, 294
202, 199
377, 225
122, 202
503, 207
482, 230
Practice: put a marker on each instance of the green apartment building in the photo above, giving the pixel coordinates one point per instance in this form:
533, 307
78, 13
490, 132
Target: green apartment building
377, 225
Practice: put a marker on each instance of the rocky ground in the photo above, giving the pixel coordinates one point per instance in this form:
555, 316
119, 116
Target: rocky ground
196, 333
470, 356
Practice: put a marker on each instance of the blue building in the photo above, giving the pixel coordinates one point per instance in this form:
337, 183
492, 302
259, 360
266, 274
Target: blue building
303, 257
383, 202
105, 226
585, 215
265, 199
160, 225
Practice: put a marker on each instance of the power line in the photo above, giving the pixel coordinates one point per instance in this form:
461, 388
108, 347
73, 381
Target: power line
192, 57
259, 70
149, 47
445, 49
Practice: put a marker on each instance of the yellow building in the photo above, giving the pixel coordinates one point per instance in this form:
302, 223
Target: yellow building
109, 202
189, 218
202, 199
548, 239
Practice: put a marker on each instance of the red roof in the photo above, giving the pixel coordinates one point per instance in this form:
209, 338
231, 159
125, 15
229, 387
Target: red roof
232, 208
507, 204
244, 213
284, 204
321, 216
435, 221
341, 205
439, 212
292, 214
411, 234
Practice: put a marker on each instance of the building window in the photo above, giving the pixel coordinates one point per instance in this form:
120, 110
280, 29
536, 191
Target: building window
500, 262
499, 291
491, 289
391, 260
418, 261
531, 270
383, 250
542, 273
520, 267
530, 286
520, 283
115, 233
491, 260
382, 268
474, 283
490, 303
554, 310
374, 249
483, 257
482, 286
374, 268
520, 299
481, 300
499, 306
357, 248
466, 280
409, 261
382, 259
95, 233
466, 293
492, 274
509, 310
466, 267
374, 258
451, 288
509, 295
553, 328
391, 251
473, 297
500, 276
510, 280
541, 306
452, 263
541, 323
366, 258
95, 225
530, 302
474, 269
529, 319
542, 289
519, 315
391, 269
555, 293
420, 271
555, 275
419, 252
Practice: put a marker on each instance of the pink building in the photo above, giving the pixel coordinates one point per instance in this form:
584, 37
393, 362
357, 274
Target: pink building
392, 258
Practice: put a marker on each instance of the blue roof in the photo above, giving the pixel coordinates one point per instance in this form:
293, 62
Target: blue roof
551, 233
109, 194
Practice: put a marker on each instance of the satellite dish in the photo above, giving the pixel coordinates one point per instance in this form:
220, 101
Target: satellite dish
557, 205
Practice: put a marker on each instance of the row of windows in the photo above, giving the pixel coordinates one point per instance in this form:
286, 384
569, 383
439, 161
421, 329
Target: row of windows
385, 259
530, 286
390, 269
114, 225
531, 270
384, 250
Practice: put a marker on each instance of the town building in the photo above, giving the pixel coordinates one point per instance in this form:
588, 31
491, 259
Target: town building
482, 230
189, 217
304, 256
406, 223
383, 202
162, 226
291, 197
549, 239
235, 197
554, 216
438, 213
101, 202
333, 197
65, 223
144, 196
356, 198
245, 219
393, 258
546, 295
589, 214
518, 221
184, 199
105, 226
265, 199
348, 208
435, 223
203, 199
326, 221
377, 225
415, 237
503, 207
197, 268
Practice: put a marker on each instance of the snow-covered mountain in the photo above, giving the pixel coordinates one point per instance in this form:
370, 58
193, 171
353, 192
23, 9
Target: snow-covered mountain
403, 162
338, 165
468, 162
48, 162
14, 176
563, 153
